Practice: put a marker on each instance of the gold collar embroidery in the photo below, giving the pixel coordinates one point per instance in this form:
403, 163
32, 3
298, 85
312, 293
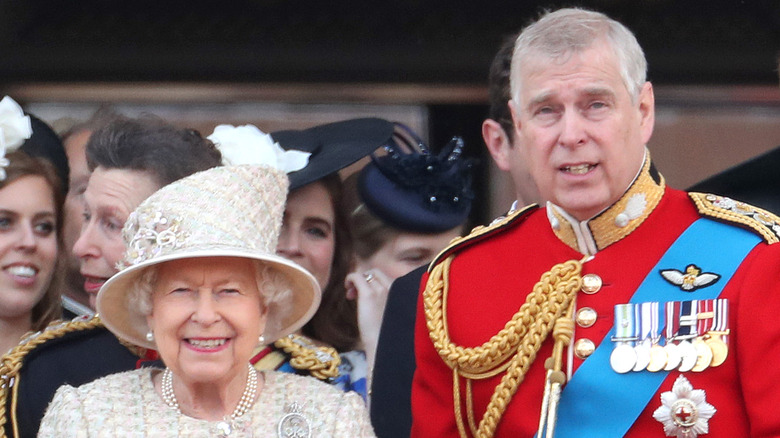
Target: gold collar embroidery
614, 223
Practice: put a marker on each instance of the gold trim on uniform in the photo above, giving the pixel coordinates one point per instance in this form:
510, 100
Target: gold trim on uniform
11, 362
759, 220
614, 223
320, 361
479, 231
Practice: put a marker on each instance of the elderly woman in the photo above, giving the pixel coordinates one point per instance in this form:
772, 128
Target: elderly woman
315, 235
203, 286
130, 158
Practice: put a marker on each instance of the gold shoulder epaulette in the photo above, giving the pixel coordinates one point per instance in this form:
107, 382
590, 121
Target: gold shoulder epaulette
12, 361
482, 231
763, 222
320, 361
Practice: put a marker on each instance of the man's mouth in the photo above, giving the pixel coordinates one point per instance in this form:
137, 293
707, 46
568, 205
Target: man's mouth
579, 169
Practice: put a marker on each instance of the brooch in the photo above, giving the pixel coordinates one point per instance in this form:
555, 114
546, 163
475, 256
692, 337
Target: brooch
684, 412
293, 424
691, 280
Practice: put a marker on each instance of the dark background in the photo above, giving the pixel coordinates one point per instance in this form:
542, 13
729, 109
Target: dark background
686, 41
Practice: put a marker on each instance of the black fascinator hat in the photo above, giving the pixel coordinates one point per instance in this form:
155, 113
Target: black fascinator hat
333, 146
45, 143
412, 189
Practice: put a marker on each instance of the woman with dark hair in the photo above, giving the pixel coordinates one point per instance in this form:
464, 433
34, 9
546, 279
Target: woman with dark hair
31, 199
315, 235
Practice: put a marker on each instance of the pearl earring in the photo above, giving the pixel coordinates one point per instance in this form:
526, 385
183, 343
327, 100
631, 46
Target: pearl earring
261, 339
150, 336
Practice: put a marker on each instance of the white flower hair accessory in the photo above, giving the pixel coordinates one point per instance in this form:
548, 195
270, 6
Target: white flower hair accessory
15, 128
249, 145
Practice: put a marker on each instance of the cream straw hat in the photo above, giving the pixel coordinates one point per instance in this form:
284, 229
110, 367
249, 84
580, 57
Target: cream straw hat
229, 211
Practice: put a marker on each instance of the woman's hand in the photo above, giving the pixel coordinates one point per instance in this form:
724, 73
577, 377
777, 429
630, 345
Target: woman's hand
370, 289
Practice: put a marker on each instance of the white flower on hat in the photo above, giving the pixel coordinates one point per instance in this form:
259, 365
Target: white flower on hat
249, 145
15, 128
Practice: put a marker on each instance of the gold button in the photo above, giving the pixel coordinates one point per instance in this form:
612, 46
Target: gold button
584, 348
591, 283
586, 317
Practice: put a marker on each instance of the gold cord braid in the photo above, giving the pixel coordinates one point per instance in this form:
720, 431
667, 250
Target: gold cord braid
11, 362
321, 362
514, 348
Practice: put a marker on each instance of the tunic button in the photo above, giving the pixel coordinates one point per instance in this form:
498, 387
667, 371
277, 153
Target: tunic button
591, 283
586, 317
584, 348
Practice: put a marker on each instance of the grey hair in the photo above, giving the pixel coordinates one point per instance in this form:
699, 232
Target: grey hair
275, 292
572, 30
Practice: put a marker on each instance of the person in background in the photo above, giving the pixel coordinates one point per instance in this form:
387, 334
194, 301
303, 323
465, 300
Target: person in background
404, 208
549, 320
315, 235
204, 297
30, 221
130, 158
75, 300
394, 366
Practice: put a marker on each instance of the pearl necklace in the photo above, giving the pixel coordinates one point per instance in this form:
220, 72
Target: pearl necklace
246, 402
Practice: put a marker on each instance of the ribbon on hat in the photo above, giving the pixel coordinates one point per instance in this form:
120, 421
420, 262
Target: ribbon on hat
15, 128
247, 144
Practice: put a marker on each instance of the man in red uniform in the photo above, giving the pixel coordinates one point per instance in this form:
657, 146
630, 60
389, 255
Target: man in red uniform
622, 308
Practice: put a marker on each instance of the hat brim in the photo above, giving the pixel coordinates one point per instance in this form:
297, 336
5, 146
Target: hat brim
334, 146
129, 323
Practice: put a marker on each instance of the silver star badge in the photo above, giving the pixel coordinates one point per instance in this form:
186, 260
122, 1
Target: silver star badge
684, 412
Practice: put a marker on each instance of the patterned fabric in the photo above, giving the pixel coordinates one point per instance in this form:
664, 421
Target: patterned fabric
352, 373
126, 405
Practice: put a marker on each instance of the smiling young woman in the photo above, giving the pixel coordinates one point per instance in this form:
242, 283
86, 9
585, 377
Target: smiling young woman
30, 216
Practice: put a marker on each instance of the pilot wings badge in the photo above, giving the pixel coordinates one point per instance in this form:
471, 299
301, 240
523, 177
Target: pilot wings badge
691, 279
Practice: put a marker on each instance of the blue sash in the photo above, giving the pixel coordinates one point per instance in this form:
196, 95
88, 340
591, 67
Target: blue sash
599, 402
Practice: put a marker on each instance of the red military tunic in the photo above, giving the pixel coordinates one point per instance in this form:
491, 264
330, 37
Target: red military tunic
490, 278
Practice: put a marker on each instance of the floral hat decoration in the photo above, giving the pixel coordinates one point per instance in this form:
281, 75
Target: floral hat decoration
234, 210
15, 128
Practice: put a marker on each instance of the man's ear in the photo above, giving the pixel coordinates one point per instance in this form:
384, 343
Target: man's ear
497, 143
647, 111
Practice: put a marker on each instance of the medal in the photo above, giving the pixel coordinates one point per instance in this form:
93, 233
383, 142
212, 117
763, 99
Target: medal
642, 322
703, 325
623, 357
673, 357
687, 327
720, 324
657, 352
